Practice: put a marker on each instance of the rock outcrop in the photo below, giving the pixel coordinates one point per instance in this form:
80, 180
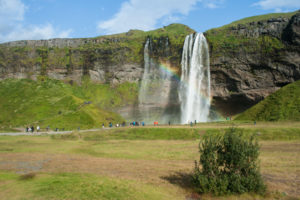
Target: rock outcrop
251, 60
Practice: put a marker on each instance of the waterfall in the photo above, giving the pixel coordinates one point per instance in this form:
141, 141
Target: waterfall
194, 91
155, 87
146, 76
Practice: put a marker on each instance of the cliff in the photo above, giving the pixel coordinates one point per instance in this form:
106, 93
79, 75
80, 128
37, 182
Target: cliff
253, 58
107, 59
250, 58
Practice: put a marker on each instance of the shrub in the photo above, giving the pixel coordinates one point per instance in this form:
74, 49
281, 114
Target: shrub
228, 164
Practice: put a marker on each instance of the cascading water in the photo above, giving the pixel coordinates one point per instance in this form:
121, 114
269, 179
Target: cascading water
194, 92
144, 88
154, 89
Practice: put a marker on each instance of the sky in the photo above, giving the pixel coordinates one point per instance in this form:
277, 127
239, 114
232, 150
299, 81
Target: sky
45, 19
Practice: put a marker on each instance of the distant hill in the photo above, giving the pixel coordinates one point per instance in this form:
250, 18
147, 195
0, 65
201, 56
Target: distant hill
279, 106
46, 102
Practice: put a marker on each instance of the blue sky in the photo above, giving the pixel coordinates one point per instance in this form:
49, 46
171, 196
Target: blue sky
44, 19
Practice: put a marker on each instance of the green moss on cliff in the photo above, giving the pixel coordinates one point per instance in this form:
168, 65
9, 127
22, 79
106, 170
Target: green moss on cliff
283, 105
130, 45
106, 51
258, 18
242, 37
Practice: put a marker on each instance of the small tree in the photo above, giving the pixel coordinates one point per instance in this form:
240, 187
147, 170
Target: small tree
229, 164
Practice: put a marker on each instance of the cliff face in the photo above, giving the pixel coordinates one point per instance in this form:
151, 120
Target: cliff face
253, 58
108, 59
250, 58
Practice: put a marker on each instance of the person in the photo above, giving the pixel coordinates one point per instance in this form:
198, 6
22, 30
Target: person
169, 123
143, 123
38, 128
103, 125
32, 129
191, 123
27, 129
48, 127
195, 122
110, 124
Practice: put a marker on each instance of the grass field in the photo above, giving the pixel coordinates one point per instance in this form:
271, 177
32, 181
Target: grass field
137, 163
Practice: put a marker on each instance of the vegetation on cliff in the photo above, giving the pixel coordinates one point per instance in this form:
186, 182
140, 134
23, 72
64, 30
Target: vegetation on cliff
248, 35
51, 102
279, 106
87, 53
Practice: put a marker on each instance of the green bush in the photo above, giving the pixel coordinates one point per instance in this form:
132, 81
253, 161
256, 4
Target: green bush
228, 164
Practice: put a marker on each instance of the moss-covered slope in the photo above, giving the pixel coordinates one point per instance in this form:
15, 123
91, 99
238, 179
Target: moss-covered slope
283, 105
51, 102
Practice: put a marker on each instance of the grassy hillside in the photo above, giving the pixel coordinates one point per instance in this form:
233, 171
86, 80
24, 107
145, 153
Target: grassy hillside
279, 106
257, 18
225, 40
52, 102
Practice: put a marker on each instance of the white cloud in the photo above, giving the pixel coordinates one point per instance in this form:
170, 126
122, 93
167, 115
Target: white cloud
144, 15
34, 33
12, 24
212, 3
278, 5
11, 11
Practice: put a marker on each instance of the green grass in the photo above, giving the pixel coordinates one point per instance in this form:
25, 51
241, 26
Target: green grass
133, 143
131, 163
283, 105
8, 130
268, 133
257, 18
144, 134
76, 186
51, 102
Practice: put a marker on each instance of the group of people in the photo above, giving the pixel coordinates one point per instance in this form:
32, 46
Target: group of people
110, 124
31, 129
38, 128
135, 123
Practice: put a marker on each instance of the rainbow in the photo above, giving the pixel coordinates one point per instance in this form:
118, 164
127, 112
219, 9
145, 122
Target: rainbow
167, 67
174, 72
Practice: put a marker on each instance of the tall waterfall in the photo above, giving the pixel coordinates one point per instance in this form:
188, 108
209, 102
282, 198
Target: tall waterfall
194, 92
155, 88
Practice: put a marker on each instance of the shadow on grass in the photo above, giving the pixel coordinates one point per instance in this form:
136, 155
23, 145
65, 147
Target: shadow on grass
182, 179
185, 181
